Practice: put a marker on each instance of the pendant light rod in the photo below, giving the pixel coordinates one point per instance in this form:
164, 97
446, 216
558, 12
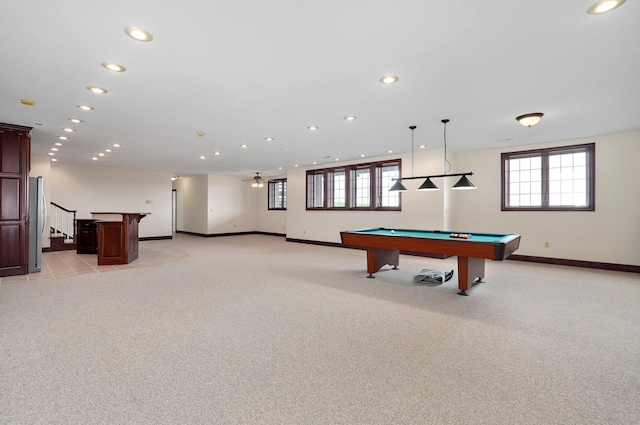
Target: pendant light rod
412, 127
470, 173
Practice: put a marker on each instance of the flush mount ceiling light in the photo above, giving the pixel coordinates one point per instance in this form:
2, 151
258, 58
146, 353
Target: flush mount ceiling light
389, 79
604, 6
96, 90
530, 119
115, 67
86, 107
138, 34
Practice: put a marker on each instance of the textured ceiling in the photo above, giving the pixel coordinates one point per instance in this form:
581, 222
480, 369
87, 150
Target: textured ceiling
245, 70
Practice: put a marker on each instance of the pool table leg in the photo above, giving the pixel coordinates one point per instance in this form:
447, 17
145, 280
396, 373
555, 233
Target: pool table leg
469, 269
378, 257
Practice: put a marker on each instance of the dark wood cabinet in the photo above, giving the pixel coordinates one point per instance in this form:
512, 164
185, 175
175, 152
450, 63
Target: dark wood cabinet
86, 236
117, 240
15, 151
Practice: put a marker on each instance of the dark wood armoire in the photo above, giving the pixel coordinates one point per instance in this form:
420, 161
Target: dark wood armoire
15, 155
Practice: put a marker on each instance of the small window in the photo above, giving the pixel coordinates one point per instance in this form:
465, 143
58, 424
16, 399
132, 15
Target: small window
555, 179
277, 194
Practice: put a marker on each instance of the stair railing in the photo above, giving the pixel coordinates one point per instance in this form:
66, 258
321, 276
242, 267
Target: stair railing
62, 222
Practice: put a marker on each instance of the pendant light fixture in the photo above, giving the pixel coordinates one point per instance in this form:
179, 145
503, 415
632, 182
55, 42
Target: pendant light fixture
463, 184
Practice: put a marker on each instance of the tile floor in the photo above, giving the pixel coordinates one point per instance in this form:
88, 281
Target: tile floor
67, 263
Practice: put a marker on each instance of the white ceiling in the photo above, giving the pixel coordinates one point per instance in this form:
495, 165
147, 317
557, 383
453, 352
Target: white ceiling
244, 70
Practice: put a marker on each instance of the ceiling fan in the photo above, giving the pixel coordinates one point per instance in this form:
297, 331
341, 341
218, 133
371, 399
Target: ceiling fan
257, 181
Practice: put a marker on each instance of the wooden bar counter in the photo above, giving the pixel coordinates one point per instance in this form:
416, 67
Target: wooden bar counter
117, 236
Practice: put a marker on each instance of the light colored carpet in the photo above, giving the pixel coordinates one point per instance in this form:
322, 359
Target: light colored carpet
256, 330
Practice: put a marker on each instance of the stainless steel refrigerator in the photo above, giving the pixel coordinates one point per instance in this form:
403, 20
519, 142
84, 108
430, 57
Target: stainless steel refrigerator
37, 217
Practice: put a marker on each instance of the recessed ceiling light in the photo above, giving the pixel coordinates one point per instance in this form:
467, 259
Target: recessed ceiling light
390, 151
200, 134
27, 102
54, 149
95, 158
314, 162
244, 146
604, 6
279, 168
388, 79
138, 34
53, 159
51, 153
112, 66
217, 153
58, 144
108, 150
101, 154
350, 117
96, 90
295, 165
269, 139
362, 155
422, 146
86, 107
336, 159
63, 138
76, 120
116, 145
68, 130
313, 127
203, 157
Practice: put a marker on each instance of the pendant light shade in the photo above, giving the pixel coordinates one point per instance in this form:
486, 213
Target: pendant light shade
428, 185
398, 187
463, 184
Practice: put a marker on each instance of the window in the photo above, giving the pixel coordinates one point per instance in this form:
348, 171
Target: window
354, 187
555, 179
277, 194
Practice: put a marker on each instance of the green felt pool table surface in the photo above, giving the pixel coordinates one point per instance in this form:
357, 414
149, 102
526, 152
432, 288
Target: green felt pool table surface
437, 234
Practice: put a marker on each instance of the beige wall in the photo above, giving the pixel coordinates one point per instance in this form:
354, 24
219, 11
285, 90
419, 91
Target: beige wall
231, 205
89, 189
223, 204
611, 234
192, 203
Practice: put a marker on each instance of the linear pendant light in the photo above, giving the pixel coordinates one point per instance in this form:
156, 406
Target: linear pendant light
463, 184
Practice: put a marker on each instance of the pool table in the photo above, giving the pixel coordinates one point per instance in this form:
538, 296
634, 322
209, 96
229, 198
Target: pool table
384, 245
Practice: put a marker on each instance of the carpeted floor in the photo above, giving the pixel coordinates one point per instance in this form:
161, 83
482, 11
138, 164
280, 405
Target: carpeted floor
256, 330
